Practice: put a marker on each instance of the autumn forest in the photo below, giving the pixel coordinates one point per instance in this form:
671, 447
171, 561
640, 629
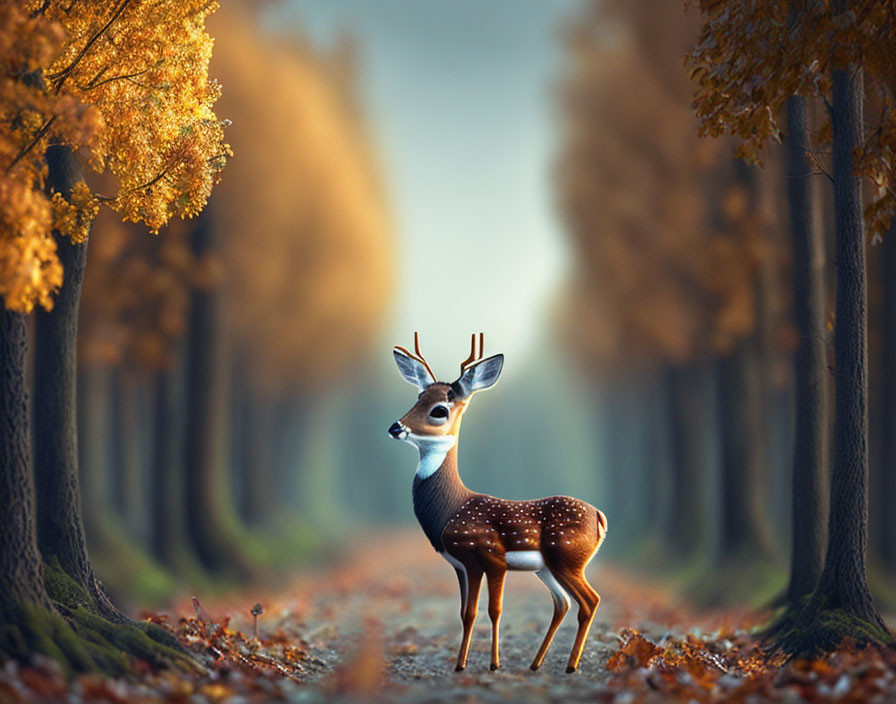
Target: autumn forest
223, 224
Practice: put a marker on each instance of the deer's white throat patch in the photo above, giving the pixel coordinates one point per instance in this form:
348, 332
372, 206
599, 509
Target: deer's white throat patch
433, 449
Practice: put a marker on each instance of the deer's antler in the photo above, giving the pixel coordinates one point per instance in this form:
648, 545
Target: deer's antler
473, 356
418, 356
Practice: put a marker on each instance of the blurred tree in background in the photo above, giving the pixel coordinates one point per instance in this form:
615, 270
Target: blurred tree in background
673, 277
205, 345
311, 245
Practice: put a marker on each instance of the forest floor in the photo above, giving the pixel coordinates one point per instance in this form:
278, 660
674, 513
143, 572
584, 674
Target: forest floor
381, 623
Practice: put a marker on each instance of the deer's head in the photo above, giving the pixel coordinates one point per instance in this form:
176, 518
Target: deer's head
435, 417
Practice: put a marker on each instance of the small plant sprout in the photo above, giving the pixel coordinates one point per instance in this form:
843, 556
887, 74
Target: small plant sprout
256, 611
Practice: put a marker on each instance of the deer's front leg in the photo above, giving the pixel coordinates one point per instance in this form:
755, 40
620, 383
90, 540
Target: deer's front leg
469, 607
495, 604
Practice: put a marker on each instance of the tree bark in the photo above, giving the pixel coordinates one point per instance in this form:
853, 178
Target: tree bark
21, 579
809, 453
686, 397
887, 472
60, 529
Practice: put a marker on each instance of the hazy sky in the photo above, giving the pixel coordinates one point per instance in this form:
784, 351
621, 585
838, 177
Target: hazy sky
459, 93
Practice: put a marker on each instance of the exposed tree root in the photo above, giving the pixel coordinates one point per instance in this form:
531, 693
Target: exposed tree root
819, 628
74, 633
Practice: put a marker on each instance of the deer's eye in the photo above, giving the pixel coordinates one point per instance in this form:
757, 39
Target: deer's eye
439, 413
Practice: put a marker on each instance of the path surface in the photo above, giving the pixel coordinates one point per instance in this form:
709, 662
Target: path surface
383, 622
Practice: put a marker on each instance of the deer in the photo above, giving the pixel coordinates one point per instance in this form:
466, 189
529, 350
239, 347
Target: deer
481, 535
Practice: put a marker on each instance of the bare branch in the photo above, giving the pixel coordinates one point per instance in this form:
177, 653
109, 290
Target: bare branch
125, 77
59, 78
27, 148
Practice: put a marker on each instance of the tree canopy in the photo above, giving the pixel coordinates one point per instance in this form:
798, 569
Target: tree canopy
752, 56
126, 86
668, 246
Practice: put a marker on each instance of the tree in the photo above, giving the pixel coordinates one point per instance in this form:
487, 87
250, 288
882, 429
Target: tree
306, 252
810, 441
887, 470
133, 316
750, 59
668, 252
122, 89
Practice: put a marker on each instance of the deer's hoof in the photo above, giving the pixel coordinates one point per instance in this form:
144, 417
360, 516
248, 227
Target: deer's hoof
570, 669
533, 667
459, 668
493, 667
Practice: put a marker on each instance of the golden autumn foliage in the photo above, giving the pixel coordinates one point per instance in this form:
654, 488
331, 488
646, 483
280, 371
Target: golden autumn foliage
124, 85
301, 218
666, 250
751, 56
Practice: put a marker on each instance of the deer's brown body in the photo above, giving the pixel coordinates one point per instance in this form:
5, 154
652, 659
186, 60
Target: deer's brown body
484, 536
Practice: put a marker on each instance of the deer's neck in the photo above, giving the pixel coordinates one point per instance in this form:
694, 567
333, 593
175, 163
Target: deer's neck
438, 490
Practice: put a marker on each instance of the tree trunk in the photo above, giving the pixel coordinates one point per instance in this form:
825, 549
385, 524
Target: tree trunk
253, 434
841, 604
844, 579
21, 580
255, 471
686, 396
887, 473
60, 529
209, 520
166, 492
127, 457
743, 529
809, 452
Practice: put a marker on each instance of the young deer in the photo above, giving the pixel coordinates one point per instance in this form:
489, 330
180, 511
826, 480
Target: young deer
481, 535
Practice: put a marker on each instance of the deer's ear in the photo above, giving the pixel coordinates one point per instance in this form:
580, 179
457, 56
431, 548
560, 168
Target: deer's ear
481, 375
412, 370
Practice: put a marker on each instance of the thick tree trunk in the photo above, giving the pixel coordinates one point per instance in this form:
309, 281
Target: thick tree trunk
887, 472
743, 529
843, 581
209, 520
841, 604
809, 453
21, 580
60, 529
687, 397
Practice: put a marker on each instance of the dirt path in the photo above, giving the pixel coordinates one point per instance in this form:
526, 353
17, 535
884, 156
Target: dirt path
384, 623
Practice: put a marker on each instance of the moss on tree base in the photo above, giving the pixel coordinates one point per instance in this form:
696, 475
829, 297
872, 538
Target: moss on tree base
79, 639
817, 628
84, 642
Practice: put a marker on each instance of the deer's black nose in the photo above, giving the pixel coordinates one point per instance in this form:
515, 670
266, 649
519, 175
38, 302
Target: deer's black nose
395, 429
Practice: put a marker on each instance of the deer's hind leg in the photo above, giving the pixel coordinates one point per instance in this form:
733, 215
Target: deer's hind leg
561, 606
574, 582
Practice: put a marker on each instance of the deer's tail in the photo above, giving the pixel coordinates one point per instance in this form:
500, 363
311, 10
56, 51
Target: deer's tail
601, 524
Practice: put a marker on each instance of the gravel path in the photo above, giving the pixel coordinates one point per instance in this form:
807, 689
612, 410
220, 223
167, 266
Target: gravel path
383, 624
